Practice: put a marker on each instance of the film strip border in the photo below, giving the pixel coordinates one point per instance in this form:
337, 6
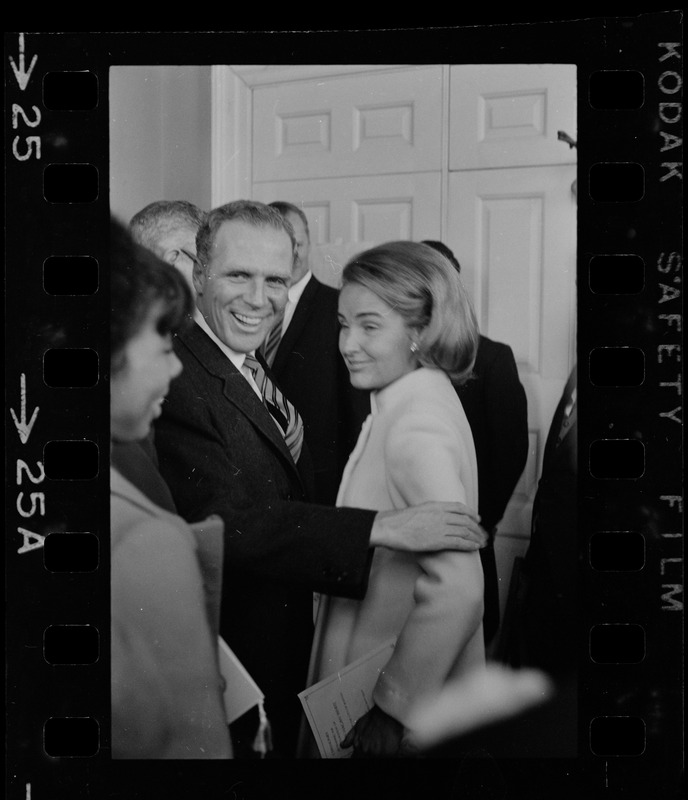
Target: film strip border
57, 432
629, 385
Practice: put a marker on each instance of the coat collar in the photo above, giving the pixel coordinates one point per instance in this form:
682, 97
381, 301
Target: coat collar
121, 487
417, 382
236, 388
563, 423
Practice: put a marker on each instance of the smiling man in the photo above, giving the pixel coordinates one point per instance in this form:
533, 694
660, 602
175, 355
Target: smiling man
228, 443
241, 280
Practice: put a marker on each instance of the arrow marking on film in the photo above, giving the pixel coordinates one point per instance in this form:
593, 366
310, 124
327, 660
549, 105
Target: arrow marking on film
24, 428
20, 73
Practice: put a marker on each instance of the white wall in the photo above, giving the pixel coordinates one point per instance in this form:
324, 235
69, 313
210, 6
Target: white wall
160, 136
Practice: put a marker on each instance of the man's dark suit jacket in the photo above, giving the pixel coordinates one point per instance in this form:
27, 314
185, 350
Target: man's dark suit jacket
221, 452
549, 611
495, 404
312, 374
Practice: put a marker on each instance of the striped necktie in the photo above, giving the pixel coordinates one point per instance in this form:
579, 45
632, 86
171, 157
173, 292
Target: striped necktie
284, 413
271, 343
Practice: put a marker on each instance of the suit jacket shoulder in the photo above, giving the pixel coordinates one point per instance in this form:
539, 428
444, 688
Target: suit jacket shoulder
430, 453
313, 375
314, 317
496, 406
491, 352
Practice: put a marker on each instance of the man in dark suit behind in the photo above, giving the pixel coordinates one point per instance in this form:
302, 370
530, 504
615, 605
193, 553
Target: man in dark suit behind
546, 633
226, 446
549, 613
167, 228
496, 407
304, 356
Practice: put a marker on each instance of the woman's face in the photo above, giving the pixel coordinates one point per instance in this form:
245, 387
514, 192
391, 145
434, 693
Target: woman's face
374, 339
139, 387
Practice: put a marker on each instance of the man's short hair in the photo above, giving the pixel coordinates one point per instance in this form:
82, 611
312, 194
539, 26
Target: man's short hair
251, 212
441, 247
152, 224
289, 208
139, 280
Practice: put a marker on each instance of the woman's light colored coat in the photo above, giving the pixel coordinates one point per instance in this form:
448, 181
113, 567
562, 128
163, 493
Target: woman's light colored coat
416, 446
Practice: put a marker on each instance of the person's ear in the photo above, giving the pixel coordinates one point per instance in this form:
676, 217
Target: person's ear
170, 256
198, 276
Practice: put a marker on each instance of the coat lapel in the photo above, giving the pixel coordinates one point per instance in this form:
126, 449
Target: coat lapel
562, 425
298, 322
121, 487
354, 458
236, 388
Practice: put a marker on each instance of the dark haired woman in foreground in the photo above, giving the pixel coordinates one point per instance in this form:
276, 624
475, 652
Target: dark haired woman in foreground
165, 578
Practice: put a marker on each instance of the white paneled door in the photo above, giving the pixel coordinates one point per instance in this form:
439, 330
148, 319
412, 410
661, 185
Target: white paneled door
508, 115
361, 124
347, 215
513, 231
360, 153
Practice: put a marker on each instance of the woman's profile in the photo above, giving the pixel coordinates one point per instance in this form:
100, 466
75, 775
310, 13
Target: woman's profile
407, 332
165, 680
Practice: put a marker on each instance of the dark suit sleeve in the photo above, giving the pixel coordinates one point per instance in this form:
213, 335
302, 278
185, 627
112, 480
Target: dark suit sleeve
549, 603
507, 430
267, 532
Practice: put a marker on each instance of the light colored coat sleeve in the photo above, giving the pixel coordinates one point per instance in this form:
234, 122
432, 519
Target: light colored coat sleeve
425, 461
166, 696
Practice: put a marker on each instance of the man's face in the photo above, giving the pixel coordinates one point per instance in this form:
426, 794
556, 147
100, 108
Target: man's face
176, 247
245, 283
303, 247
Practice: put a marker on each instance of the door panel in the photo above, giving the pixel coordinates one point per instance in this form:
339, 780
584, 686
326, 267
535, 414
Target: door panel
347, 215
508, 115
513, 232
355, 125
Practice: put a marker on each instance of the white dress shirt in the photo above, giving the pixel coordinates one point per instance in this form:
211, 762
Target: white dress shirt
236, 358
294, 296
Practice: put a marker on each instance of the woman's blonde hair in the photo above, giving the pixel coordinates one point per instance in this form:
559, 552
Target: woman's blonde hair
420, 284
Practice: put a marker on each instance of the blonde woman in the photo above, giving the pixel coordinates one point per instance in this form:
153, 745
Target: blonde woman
408, 332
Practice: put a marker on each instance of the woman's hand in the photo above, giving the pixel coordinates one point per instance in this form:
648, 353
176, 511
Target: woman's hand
375, 735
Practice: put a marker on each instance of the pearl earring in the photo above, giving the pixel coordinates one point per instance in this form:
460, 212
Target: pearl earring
414, 347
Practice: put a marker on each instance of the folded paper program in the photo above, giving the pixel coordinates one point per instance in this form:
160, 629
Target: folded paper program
333, 705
